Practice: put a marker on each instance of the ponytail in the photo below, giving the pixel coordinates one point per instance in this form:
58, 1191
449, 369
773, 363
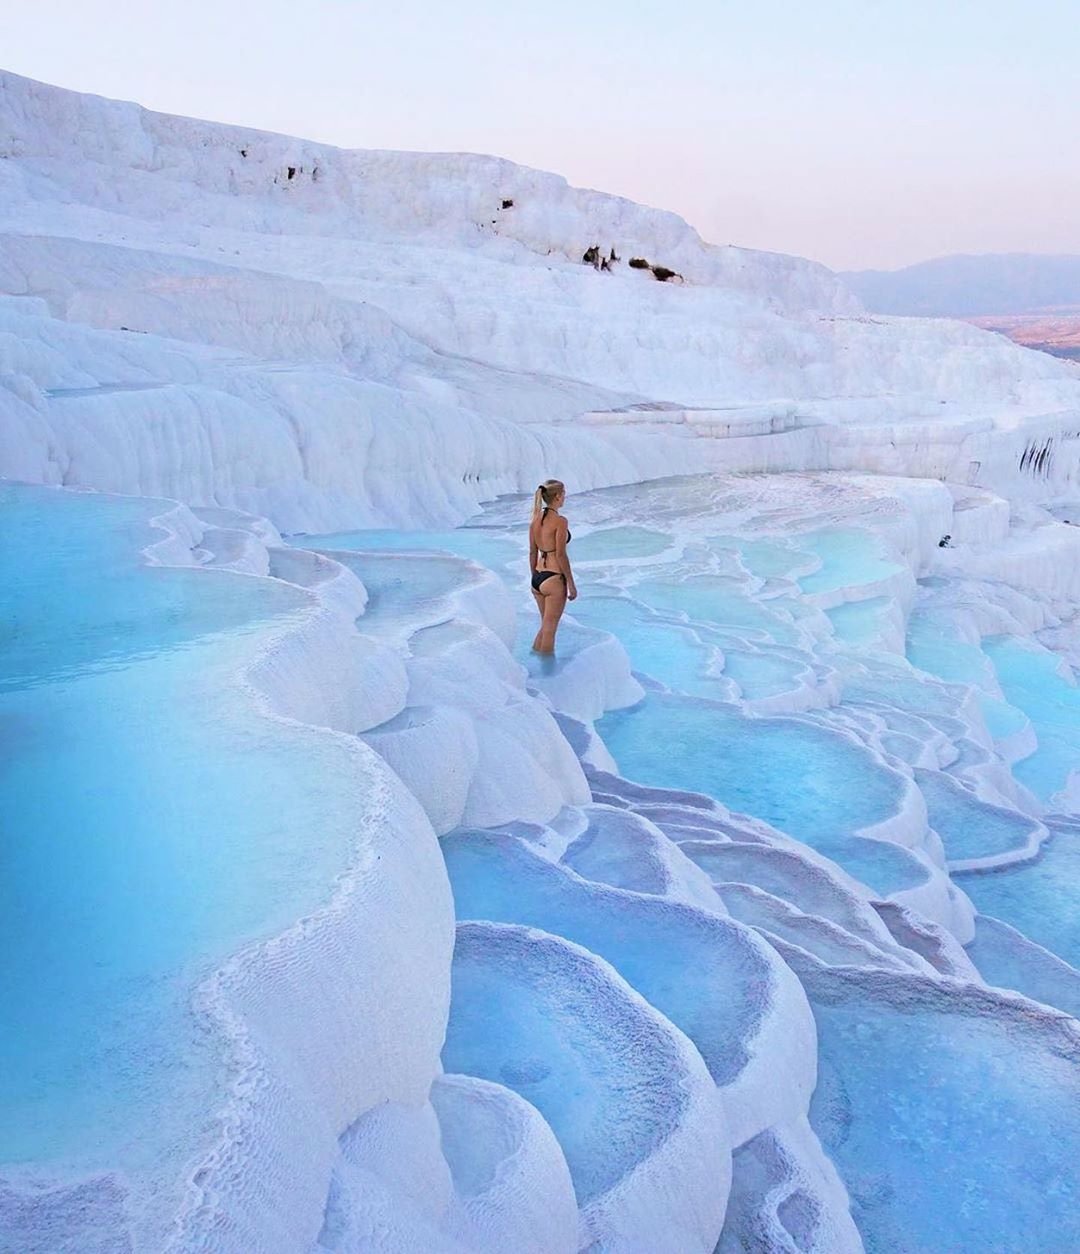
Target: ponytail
547, 492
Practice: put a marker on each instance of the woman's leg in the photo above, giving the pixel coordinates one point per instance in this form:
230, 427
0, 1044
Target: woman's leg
553, 593
540, 609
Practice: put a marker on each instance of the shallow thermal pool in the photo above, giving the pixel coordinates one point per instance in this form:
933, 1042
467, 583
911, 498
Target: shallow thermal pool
720, 601
812, 783
849, 557
489, 547
934, 646
860, 622
1040, 898
672, 654
156, 820
619, 543
969, 828
542, 1018
1033, 680
698, 971
766, 559
912, 1079
953, 1119
403, 588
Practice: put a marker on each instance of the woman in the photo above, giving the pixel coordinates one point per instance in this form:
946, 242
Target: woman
552, 579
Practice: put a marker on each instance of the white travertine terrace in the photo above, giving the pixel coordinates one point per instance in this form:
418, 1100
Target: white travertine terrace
732, 845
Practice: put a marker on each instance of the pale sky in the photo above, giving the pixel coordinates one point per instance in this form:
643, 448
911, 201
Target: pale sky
856, 132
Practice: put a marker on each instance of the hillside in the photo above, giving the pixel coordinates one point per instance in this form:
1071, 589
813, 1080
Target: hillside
305, 324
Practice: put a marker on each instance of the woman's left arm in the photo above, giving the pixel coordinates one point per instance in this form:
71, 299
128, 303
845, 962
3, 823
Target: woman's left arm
561, 531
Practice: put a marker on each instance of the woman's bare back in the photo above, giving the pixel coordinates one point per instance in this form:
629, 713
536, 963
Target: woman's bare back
546, 537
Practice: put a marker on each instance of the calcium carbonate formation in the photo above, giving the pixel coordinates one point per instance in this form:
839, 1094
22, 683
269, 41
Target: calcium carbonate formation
332, 919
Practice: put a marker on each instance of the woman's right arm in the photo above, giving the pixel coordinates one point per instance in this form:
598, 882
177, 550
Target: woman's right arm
534, 548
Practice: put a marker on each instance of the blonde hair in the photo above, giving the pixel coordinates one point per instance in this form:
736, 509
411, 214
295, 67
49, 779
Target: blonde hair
547, 492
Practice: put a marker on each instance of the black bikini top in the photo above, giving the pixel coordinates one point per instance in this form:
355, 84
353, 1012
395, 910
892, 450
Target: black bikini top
548, 552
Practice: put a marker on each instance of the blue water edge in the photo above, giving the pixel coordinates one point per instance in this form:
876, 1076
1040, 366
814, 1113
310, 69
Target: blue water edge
155, 820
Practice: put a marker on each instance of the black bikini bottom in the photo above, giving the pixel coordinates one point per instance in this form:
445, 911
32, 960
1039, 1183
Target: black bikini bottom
540, 575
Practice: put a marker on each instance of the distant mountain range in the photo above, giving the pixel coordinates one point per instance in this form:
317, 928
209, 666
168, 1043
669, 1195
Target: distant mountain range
966, 286
1031, 298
